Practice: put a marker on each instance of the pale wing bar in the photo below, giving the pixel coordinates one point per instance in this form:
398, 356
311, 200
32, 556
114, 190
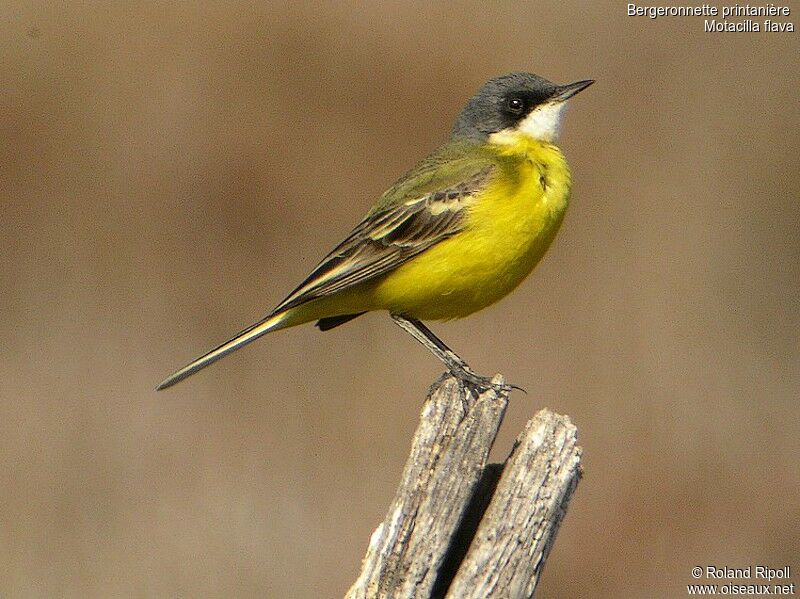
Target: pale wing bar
388, 238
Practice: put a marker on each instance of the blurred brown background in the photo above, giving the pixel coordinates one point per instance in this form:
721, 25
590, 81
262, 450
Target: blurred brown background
168, 173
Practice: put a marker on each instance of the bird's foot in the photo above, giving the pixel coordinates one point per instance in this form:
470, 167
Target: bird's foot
476, 382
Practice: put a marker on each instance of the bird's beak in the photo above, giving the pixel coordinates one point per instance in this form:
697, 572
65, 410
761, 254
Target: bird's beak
565, 92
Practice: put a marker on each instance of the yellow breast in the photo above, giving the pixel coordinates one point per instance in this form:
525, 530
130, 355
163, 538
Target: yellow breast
509, 228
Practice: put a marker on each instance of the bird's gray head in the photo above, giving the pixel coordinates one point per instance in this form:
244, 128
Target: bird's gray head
520, 102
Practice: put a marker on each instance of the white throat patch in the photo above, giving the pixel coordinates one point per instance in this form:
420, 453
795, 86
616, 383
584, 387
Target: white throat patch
544, 123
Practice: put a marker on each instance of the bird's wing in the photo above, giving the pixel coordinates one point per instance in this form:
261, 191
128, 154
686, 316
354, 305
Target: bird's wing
425, 207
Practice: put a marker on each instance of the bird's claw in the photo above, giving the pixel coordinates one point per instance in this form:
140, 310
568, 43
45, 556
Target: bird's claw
468, 378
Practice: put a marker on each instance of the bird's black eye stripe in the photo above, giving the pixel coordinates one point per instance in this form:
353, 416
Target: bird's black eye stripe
515, 105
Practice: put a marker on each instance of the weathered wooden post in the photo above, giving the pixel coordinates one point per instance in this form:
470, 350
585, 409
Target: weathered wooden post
459, 528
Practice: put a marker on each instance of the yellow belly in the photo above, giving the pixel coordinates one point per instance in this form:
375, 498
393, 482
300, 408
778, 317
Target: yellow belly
508, 230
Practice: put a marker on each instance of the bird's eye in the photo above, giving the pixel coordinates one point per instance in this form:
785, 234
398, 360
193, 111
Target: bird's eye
516, 105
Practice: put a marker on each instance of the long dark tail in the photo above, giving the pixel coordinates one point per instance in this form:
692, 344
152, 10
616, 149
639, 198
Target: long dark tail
251, 333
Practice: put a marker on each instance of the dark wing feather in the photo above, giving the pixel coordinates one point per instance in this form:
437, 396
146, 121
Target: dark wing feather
326, 324
388, 237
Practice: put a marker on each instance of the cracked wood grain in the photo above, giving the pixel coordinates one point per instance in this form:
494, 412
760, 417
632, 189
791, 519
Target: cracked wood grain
489, 525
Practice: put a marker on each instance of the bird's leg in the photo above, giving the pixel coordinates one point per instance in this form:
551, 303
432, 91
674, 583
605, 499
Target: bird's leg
452, 361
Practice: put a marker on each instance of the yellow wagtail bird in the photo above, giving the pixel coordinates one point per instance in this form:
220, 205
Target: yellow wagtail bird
452, 236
